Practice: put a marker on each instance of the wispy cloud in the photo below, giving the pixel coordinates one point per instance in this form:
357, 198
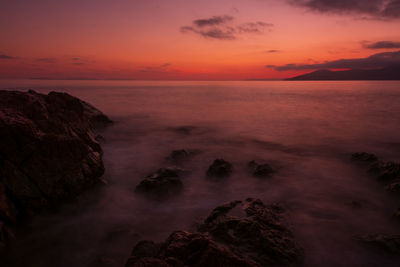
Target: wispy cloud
160, 68
273, 51
387, 9
224, 28
382, 45
3, 56
47, 60
375, 61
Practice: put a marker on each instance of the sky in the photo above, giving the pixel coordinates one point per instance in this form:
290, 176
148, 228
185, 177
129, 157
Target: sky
194, 40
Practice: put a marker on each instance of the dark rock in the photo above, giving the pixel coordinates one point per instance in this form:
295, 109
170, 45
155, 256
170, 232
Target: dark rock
394, 187
164, 181
387, 243
220, 168
364, 157
354, 204
48, 153
246, 233
178, 155
261, 170
385, 171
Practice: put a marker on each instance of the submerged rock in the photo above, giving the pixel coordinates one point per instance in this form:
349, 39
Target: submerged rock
178, 155
164, 181
364, 157
220, 168
241, 233
388, 243
384, 171
260, 170
49, 154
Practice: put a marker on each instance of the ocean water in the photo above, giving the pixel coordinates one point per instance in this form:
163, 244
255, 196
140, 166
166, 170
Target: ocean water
305, 130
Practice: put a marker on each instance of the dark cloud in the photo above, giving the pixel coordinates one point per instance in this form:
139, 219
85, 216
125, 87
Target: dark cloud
215, 20
388, 9
3, 56
47, 60
375, 61
215, 33
76, 58
382, 45
222, 28
273, 51
78, 63
165, 65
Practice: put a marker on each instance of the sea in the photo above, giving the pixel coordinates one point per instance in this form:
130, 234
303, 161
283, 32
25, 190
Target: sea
305, 130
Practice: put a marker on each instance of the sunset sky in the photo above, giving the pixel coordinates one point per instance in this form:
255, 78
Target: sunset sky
194, 40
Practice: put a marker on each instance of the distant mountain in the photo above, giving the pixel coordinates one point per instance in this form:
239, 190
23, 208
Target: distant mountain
387, 73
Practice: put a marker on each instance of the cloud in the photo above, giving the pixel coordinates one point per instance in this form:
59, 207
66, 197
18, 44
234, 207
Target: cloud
47, 60
78, 63
388, 9
382, 45
215, 20
273, 51
76, 58
375, 61
223, 28
160, 68
3, 56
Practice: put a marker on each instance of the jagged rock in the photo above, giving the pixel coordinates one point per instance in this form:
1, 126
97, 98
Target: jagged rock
388, 243
260, 170
48, 153
246, 233
220, 168
164, 181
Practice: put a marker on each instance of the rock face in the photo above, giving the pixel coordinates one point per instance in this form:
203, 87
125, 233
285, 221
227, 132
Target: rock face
163, 182
48, 153
260, 170
219, 168
241, 233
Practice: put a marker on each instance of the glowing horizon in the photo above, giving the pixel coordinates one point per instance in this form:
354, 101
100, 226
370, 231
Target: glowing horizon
193, 40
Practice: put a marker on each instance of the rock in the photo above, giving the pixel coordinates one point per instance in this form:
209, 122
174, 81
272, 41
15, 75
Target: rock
178, 155
220, 168
48, 153
387, 243
260, 170
394, 187
164, 181
241, 233
385, 171
354, 204
364, 157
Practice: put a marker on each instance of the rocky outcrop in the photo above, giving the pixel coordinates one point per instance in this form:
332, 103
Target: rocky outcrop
164, 182
220, 168
48, 153
241, 233
260, 169
387, 243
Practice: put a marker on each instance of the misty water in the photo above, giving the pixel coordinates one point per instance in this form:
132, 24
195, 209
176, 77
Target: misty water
306, 130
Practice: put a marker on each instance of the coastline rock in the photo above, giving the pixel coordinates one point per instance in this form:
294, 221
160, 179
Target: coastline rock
219, 168
260, 170
387, 243
164, 181
384, 171
178, 155
241, 233
48, 153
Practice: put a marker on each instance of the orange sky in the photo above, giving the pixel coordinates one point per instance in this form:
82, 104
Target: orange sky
121, 39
